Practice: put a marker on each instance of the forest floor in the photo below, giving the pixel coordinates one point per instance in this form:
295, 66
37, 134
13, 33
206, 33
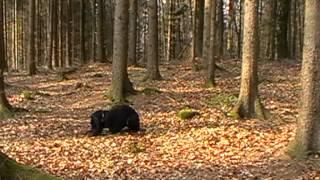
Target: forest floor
51, 135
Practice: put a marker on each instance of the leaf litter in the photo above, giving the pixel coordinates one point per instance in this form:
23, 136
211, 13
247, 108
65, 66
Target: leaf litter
51, 135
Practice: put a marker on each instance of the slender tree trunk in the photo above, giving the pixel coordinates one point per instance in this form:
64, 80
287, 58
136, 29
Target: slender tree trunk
220, 29
5, 107
152, 42
109, 30
210, 81
199, 20
206, 30
195, 5
100, 33
120, 82
249, 105
282, 35
307, 138
132, 32
31, 46
82, 21
68, 35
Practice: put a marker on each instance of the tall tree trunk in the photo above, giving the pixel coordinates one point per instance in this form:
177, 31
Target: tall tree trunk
199, 18
31, 47
206, 30
307, 138
82, 21
5, 107
120, 82
68, 34
249, 105
152, 42
210, 80
220, 29
282, 35
110, 28
100, 32
132, 32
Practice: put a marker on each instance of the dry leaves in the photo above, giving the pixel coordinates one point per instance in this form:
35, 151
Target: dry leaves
51, 136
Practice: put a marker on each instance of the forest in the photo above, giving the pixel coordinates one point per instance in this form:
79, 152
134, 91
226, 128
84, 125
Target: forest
159, 89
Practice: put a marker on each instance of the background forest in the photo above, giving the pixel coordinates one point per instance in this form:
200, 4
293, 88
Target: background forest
216, 84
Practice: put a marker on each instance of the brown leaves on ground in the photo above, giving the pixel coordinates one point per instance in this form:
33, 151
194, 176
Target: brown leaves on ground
51, 135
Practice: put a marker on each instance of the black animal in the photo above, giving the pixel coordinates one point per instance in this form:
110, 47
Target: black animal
115, 120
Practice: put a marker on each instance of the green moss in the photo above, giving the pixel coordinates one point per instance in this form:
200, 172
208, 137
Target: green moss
5, 113
296, 151
136, 148
259, 110
9, 169
209, 84
234, 114
187, 113
27, 95
150, 91
222, 100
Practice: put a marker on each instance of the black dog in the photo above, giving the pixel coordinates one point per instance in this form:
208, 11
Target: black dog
115, 120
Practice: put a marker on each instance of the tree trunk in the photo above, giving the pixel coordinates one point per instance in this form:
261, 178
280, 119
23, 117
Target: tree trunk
152, 42
68, 35
199, 18
5, 107
132, 32
10, 169
282, 35
120, 82
210, 82
249, 105
220, 29
206, 31
100, 32
31, 48
82, 43
307, 138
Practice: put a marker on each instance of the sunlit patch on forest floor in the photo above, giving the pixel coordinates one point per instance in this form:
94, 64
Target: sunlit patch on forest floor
51, 136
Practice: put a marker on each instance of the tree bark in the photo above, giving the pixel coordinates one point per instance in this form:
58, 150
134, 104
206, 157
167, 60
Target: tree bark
210, 82
152, 42
120, 82
5, 107
307, 139
100, 33
31, 47
132, 32
249, 105
10, 169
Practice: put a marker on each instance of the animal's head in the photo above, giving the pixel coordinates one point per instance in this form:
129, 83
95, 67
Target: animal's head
97, 120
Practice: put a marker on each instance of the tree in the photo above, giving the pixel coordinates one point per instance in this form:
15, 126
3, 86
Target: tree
120, 82
249, 105
198, 18
5, 107
100, 33
308, 127
206, 30
82, 26
152, 42
31, 48
282, 35
9, 169
133, 8
210, 81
